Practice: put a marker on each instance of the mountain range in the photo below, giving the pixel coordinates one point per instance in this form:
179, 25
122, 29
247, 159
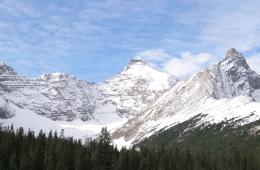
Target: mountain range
135, 104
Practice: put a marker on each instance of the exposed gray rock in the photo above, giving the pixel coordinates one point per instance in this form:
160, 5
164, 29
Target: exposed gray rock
61, 96
6, 70
233, 77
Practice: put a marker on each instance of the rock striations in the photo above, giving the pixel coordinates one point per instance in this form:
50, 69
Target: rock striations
61, 96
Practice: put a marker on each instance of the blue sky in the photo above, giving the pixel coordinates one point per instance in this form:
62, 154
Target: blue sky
94, 40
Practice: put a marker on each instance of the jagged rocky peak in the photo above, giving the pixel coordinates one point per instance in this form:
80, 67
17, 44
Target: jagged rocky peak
137, 60
231, 51
56, 76
232, 54
234, 57
233, 76
6, 70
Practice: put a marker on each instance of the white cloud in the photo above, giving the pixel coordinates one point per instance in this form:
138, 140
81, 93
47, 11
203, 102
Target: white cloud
119, 29
154, 55
225, 24
18, 8
188, 64
227, 27
254, 62
182, 67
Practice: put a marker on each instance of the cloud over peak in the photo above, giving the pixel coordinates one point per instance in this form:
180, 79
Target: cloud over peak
182, 66
86, 33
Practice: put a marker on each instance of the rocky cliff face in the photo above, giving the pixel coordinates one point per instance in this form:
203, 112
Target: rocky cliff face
233, 77
5, 111
57, 96
6, 70
62, 96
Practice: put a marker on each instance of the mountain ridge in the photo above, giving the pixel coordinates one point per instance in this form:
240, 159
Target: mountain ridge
214, 92
62, 96
136, 103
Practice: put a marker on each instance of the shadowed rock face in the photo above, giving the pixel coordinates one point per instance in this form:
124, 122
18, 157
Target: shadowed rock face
135, 60
4, 114
6, 70
5, 111
233, 76
231, 51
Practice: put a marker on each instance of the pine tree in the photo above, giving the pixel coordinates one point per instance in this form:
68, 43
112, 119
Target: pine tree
52, 158
164, 161
37, 152
7, 146
104, 136
79, 156
102, 157
123, 159
134, 160
115, 158
188, 162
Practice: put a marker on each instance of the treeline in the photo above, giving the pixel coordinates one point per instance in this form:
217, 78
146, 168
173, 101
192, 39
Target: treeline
27, 151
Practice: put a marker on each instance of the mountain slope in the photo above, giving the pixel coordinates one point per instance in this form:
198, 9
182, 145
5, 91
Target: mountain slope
87, 106
135, 87
57, 96
150, 101
61, 96
214, 138
225, 90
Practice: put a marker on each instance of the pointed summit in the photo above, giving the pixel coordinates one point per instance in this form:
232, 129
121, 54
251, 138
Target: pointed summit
6, 70
137, 60
236, 58
233, 53
233, 76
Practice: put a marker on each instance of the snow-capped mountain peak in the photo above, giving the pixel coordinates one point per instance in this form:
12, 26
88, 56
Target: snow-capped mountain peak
217, 92
138, 69
136, 60
233, 77
136, 63
235, 58
231, 52
6, 70
58, 78
135, 87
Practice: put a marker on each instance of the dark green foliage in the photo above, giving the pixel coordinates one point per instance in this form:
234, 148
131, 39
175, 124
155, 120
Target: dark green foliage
229, 149
217, 146
215, 138
101, 158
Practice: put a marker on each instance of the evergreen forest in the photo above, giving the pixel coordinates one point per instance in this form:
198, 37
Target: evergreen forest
29, 151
